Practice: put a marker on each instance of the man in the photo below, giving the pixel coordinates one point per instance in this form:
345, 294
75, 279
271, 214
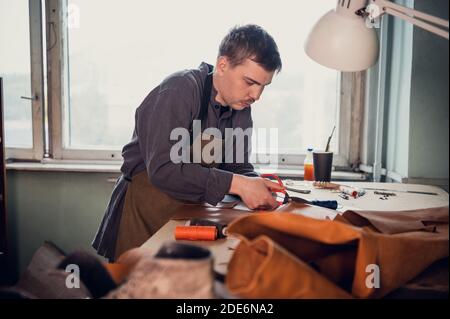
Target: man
153, 185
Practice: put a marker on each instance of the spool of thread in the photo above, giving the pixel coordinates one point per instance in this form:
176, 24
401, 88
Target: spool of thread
196, 233
349, 191
221, 227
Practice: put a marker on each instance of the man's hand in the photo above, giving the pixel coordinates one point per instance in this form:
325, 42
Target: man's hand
255, 192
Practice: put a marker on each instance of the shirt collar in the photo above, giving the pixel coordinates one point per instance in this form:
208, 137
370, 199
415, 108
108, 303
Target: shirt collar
216, 105
213, 103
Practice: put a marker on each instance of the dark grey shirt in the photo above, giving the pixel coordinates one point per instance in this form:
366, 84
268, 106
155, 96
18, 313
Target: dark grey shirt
174, 103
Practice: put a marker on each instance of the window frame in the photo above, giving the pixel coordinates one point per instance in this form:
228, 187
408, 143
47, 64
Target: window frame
57, 66
36, 152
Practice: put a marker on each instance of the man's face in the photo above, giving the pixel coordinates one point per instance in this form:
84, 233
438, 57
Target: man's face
241, 85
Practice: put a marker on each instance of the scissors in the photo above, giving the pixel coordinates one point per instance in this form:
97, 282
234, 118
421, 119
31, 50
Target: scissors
282, 197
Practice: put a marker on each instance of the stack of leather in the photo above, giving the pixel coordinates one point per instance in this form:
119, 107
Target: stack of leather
359, 254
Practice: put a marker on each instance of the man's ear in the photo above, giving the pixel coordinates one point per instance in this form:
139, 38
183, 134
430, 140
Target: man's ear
222, 65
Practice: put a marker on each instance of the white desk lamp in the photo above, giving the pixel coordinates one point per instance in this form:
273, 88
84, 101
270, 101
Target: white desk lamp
345, 39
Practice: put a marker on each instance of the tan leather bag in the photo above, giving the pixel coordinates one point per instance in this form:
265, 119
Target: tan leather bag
287, 255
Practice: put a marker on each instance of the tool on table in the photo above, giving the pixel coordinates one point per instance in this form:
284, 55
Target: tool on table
330, 204
328, 185
288, 183
282, 197
400, 191
344, 196
386, 194
297, 190
352, 191
329, 139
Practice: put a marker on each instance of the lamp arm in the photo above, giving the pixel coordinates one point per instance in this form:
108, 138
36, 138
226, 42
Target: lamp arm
420, 19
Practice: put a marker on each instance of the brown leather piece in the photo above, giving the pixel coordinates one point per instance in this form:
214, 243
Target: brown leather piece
338, 251
227, 212
221, 215
401, 221
267, 263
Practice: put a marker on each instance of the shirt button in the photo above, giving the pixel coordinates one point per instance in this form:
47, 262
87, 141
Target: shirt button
216, 106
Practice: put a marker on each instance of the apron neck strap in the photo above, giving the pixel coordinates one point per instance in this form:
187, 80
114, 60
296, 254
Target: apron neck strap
207, 86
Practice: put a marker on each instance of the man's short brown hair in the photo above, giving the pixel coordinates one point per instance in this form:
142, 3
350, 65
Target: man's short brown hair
251, 42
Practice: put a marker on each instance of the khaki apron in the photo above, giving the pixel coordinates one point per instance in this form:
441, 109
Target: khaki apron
146, 208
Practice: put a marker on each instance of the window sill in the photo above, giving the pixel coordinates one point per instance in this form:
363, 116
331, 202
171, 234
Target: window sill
294, 172
65, 167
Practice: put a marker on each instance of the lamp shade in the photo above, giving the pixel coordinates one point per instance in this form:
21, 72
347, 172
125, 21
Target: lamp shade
341, 40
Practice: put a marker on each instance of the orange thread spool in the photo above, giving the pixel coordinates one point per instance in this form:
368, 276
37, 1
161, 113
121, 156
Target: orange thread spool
195, 233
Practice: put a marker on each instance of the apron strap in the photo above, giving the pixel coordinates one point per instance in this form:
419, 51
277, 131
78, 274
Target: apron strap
207, 85
206, 97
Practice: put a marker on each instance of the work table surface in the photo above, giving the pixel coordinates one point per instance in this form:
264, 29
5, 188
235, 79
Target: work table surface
222, 249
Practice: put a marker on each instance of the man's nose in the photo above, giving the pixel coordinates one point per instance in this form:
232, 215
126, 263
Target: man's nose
256, 92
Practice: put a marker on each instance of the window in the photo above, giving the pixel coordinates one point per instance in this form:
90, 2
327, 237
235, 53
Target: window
16, 73
21, 70
115, 60
104, 57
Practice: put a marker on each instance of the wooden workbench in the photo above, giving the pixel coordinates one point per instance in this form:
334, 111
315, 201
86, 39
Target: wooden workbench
222, 250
